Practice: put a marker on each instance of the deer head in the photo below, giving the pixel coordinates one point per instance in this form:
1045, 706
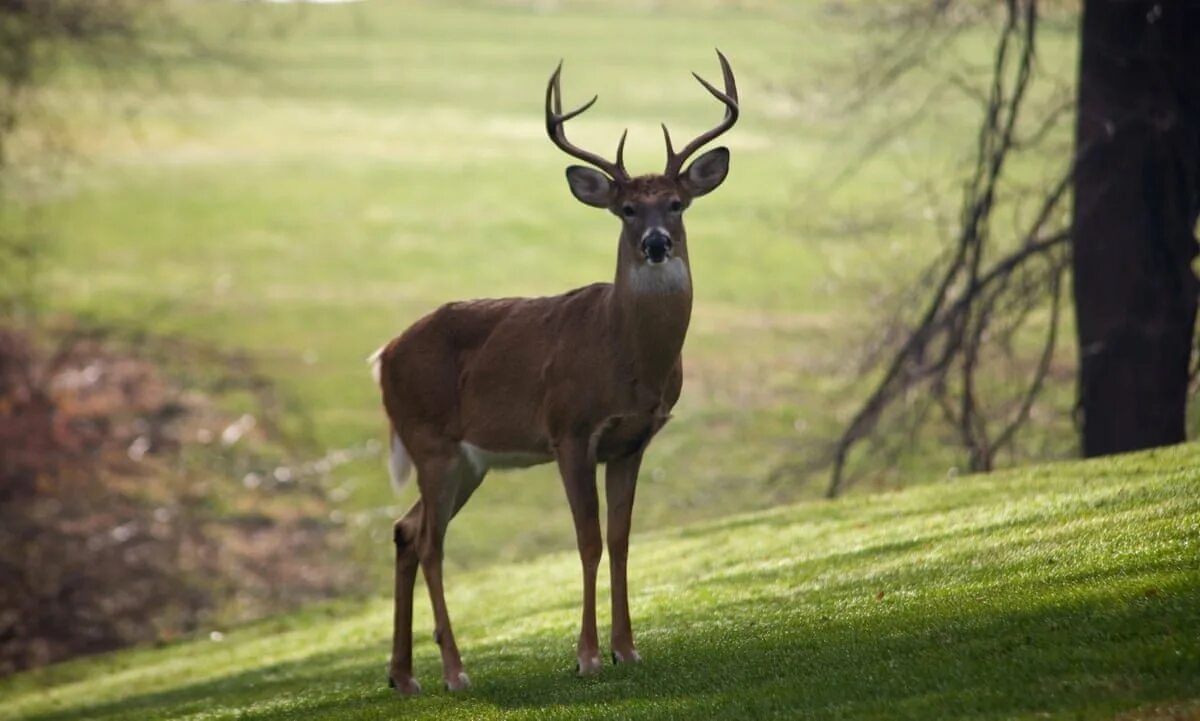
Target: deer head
650, 206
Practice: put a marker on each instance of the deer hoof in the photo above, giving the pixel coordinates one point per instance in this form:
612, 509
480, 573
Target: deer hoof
586, 666
630, 656
459, 682
406, 686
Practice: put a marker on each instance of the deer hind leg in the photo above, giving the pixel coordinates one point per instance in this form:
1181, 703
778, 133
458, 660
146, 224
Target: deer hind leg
578, 469
405, 533
445, 487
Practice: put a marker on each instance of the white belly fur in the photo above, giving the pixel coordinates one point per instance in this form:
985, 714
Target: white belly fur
483, 460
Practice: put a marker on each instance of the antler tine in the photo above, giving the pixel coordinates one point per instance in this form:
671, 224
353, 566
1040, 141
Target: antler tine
555, 118
553, 103
675, 160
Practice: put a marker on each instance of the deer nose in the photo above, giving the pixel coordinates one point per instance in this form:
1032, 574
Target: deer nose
656, 245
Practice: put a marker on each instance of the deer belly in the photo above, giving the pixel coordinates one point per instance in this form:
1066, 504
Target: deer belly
483, 460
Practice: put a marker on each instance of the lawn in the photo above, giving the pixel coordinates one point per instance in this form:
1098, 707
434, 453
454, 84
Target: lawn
356, 165
1064, 591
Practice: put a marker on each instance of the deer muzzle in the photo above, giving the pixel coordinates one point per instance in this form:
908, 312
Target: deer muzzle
656, 245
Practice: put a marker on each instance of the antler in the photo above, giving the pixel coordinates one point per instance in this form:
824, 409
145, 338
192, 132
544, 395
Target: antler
555, 118
729, 97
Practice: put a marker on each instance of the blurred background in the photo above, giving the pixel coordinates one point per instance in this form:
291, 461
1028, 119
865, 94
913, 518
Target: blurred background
212, 212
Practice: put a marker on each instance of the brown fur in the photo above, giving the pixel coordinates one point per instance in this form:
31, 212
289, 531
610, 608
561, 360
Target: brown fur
582, 378
507, 375
594, 372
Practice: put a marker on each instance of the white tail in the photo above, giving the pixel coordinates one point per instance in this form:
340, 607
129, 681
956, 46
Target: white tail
400, 465
399, 462
374, 362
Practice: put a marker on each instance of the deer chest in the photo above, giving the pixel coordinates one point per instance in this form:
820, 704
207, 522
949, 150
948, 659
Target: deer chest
622, 435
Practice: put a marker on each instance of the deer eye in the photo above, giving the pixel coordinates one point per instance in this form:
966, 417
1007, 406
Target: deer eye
676, 206
628, 211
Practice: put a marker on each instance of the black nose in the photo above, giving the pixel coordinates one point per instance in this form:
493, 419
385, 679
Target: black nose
656, 245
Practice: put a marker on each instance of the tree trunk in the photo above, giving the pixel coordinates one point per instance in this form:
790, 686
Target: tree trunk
1137, 195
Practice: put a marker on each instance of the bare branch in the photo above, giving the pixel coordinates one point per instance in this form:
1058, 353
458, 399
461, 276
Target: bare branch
976, 304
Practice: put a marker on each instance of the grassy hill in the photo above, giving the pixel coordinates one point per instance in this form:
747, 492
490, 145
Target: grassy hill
1064, 591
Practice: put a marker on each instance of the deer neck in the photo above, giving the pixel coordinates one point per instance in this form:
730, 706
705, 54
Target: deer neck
651, 309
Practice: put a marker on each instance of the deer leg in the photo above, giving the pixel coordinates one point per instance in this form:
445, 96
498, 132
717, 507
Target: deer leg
447, 490
620, 483
578, 469
405, 533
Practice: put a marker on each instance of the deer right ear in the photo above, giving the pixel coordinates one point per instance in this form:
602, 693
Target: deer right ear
591, 186
706, 172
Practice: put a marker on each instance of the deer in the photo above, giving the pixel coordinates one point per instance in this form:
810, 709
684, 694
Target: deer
579, 379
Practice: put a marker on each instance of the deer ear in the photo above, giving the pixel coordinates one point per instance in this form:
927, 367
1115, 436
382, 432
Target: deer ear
590, 186
706, 172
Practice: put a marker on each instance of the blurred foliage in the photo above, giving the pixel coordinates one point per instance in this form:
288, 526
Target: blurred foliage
36, 36
973, 344
110, 533
131, 508
384, 158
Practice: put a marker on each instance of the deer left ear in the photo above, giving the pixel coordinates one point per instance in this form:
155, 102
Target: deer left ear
590, 186
706, 172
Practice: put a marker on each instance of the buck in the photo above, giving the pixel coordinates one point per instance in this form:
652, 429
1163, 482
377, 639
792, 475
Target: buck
580, 379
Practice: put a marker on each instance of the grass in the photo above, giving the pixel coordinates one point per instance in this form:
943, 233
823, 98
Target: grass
1065, 591
380, 158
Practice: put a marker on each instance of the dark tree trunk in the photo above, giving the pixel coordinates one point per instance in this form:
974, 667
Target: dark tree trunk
1137, 194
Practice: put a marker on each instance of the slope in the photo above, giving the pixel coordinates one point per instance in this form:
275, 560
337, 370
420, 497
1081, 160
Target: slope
1065, 591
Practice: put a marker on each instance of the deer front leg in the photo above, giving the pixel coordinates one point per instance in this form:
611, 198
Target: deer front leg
405, 535
620, 484
578, 469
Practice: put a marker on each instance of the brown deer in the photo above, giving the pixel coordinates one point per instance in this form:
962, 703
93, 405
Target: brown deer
582, 378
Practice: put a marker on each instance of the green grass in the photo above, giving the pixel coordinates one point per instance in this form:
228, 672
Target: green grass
1065, 591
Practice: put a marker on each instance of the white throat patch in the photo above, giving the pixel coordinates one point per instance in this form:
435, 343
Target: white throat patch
667, 277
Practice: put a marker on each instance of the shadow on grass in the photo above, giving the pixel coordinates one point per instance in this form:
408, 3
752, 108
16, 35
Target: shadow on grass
298, 681
1078, 660
1079, 657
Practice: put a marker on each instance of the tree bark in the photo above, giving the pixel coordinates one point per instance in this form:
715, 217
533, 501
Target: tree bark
1137, 195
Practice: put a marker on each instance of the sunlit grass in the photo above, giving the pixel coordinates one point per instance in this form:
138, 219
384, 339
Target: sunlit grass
1068, 591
